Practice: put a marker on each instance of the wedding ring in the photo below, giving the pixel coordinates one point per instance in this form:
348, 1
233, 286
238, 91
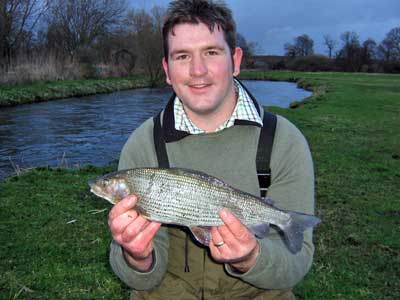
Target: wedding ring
219, 244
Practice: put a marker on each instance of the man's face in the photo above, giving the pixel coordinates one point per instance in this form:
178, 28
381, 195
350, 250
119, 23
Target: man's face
200, 69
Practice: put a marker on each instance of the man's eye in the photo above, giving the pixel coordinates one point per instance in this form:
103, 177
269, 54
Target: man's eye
182, 57
212, 52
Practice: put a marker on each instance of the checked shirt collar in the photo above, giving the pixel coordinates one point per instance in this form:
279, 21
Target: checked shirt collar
248, 114
245, 110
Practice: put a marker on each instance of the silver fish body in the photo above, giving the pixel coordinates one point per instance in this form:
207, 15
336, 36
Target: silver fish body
193, 199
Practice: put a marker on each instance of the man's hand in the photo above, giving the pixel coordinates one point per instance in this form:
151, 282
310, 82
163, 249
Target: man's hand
133, 232
240, 247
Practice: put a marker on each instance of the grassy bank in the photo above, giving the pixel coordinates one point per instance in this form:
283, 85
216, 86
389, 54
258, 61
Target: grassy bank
54, 236
43, 91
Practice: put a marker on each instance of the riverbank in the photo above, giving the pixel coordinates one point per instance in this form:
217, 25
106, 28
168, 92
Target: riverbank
54, 232
11, 95
46, 91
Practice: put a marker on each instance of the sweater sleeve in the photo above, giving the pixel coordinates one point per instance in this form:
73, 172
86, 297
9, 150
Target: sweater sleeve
292, 188
139, 152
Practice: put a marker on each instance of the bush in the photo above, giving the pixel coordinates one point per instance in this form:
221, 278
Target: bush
391, 66
49, 67
312, 63
41, 67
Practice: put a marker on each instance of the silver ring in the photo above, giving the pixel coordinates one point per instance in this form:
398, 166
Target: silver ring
219, 244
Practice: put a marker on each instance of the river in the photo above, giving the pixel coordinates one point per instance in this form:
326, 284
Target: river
92, 129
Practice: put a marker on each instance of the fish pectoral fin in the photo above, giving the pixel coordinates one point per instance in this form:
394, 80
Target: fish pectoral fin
202, 234
142, 212
260, 230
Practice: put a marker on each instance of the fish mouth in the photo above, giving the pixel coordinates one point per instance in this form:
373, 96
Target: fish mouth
92, 183
94, 188
98, 192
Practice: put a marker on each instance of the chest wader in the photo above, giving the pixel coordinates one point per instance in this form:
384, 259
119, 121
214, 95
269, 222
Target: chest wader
197, 276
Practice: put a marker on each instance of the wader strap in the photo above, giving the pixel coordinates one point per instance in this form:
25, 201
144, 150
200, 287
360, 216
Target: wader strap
159, 143
264, 151
263, 158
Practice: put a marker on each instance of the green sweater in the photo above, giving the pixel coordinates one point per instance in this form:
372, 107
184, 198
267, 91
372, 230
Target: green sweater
229, 155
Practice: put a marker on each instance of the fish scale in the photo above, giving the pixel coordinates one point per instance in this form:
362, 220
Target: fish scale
194, 199
202, 201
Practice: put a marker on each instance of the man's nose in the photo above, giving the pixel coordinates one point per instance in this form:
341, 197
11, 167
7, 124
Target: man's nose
198, 66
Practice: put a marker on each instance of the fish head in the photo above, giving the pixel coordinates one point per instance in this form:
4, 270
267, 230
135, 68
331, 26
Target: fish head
112, 187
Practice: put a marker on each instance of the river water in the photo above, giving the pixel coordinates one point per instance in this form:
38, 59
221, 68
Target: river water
91, 130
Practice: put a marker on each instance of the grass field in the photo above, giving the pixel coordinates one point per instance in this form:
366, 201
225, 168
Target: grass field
54, 236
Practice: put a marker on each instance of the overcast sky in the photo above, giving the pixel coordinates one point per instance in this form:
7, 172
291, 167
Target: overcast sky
272, 23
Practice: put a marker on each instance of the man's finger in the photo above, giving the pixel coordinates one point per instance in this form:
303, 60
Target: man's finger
118, 224
234, 225
121, 207
133, 229
216, 238
140, 246
148, 233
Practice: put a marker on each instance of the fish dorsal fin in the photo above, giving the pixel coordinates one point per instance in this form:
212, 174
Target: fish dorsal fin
200, 176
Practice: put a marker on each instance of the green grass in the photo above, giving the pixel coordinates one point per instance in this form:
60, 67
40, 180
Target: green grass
44, 91
52, 245
352, 124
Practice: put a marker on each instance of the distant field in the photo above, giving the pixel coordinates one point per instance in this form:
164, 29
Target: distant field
54, 236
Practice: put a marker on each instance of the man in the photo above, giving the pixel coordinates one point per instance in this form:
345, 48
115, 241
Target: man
211, 125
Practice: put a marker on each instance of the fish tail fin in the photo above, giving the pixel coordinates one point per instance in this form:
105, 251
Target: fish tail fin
293, 230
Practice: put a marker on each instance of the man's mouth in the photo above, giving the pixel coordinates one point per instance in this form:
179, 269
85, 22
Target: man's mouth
199, 86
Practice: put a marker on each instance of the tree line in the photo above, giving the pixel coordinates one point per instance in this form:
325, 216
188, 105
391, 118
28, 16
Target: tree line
72, 39
349, 54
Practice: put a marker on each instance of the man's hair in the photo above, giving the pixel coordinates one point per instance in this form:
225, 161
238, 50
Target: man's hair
208, 12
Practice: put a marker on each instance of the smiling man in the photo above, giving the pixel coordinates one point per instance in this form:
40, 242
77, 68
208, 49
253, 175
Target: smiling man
200, 66
212, 124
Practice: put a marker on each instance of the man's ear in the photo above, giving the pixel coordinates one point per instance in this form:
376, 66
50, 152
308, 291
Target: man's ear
237, 60
166, 71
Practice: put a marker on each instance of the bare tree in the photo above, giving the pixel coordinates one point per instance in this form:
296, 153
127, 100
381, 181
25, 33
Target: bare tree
290, 50
389, 49
330, 43
249, 49
303, 46
349, 58
350, 38
76, 24
147, 32
17, 20
369, 47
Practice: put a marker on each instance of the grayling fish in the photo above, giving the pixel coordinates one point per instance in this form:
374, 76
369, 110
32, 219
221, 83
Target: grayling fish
193, 199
